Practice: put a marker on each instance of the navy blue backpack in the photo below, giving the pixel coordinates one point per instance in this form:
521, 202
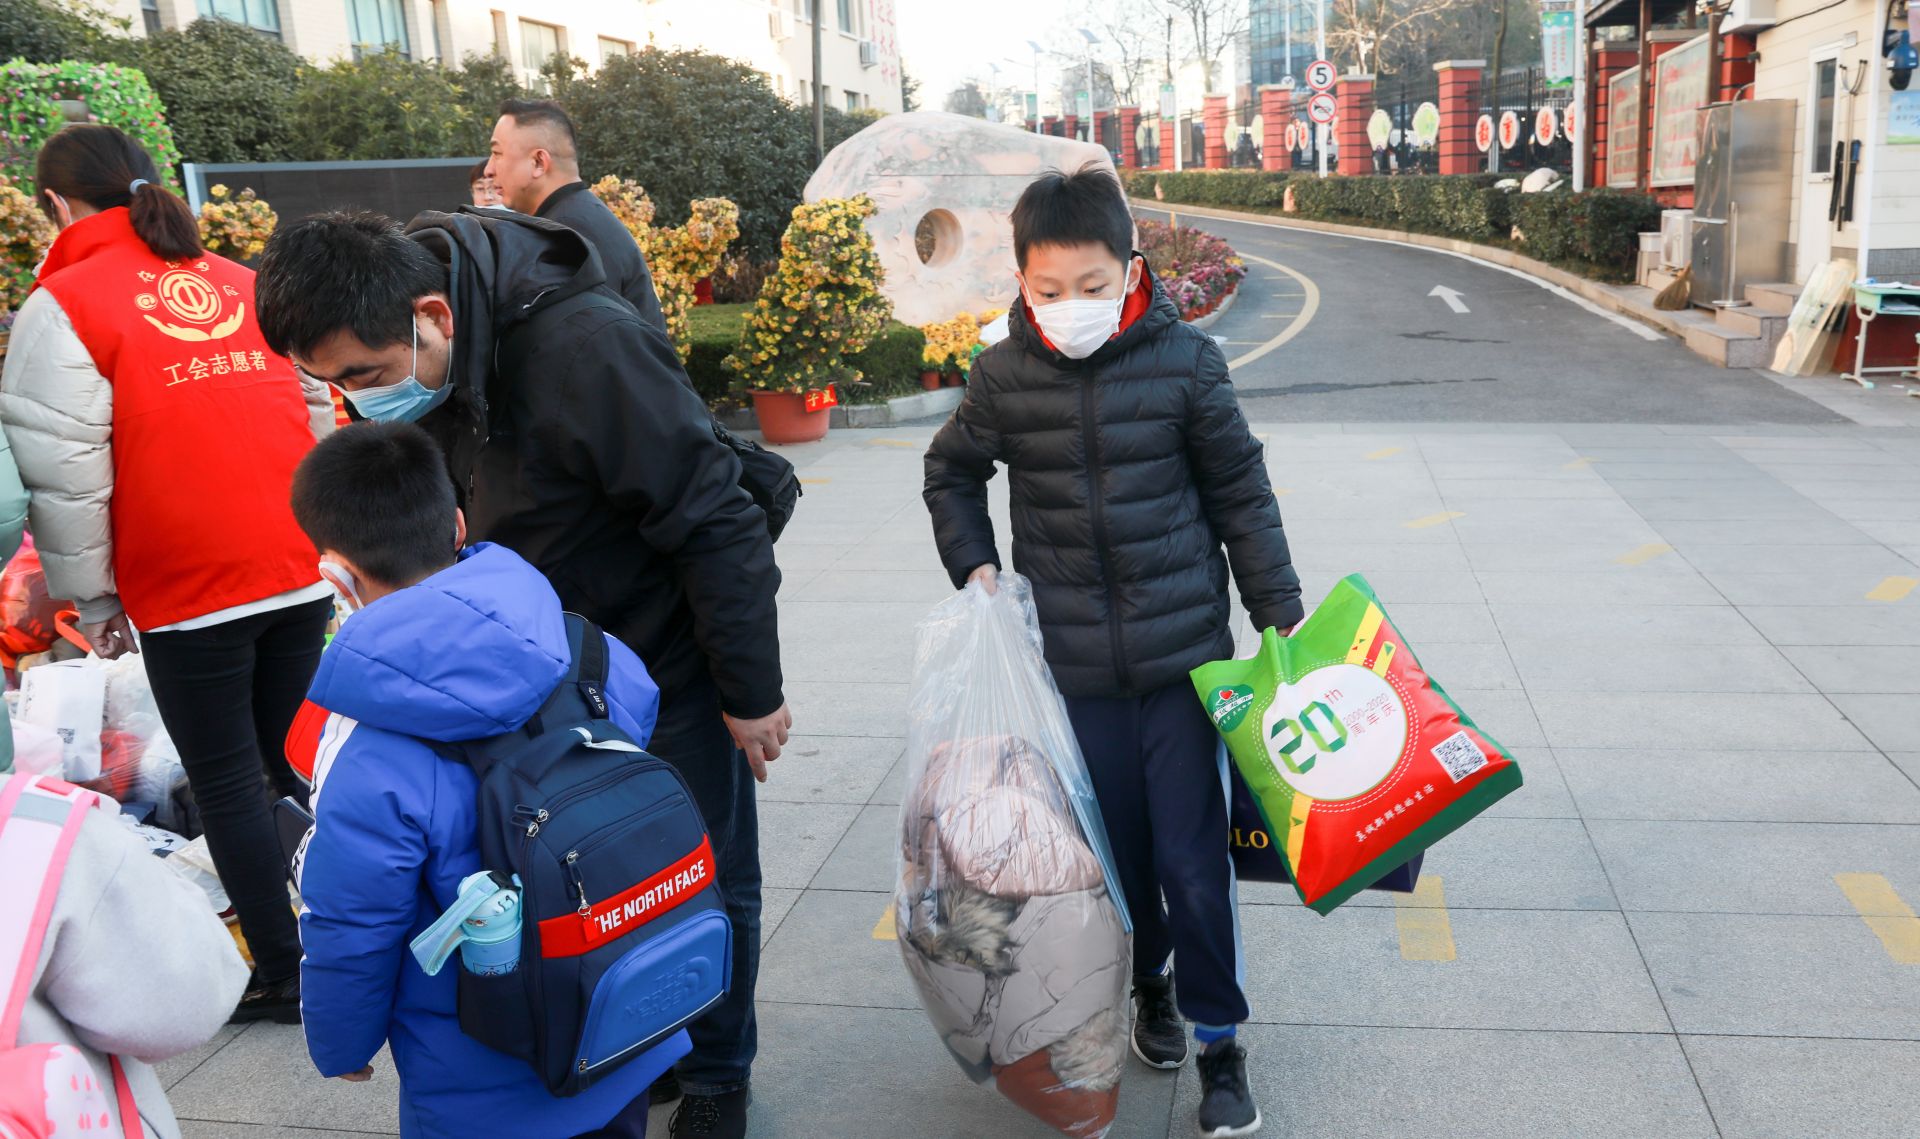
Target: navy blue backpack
624, 938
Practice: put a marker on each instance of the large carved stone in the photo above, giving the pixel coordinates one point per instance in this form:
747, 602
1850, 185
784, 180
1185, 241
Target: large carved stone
961, 175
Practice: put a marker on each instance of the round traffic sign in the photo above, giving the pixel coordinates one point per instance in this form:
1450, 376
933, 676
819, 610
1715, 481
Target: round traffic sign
1545, 126
1509, 130
1321, 75
1321, 108
1483, 133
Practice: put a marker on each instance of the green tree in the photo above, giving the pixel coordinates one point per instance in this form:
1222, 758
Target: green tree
966, 99
48, 31
229, 91
484, 82
909, 91
381, 106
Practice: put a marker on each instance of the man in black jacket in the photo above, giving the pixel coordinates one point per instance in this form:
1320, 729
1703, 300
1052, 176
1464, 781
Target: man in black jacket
535, 164
1130, 465
574, 439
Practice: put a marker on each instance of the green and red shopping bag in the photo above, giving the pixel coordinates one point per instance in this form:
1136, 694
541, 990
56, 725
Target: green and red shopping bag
1357, 759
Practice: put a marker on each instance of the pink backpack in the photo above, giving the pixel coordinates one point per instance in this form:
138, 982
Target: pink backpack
47, 1091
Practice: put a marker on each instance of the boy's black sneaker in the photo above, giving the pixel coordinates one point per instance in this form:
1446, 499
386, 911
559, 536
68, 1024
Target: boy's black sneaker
712, 1116
278, 1002
665, 1090
1227, 1109
1159, 1035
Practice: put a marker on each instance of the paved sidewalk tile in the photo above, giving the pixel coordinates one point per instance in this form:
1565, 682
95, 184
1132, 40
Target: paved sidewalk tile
1891, 722
830, 769
1513, 864
867, 855
1741, 867
826, 954
1792, 1088
1730, 721
1859, 669
1315, 1081
1549, 666
1759, 786
271, 1081
796, 838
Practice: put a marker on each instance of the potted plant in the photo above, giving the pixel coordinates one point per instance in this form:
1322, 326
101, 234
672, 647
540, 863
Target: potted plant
821, 307
236, 227
25, 234
683, 258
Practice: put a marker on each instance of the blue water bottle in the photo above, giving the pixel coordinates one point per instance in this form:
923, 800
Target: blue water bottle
483, 924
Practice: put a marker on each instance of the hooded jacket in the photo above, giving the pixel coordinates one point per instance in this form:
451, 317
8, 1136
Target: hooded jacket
1129, 471
578, 442
471, 652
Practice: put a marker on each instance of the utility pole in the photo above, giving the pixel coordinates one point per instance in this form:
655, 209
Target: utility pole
1499, 46
819, 94
1320, 45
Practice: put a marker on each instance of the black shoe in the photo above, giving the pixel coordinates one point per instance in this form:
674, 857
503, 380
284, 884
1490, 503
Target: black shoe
1227, 1109
1159, 1035
665, 1090
278, 1002
718, 1116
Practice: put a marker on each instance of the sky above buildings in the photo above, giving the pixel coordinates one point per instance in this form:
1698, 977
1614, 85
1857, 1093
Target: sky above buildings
943, 44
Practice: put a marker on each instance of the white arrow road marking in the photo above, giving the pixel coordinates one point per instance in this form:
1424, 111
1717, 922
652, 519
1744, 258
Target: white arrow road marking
1451, 296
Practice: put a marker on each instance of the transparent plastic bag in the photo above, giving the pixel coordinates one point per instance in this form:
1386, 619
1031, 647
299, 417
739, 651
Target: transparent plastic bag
1007, 905
148, 768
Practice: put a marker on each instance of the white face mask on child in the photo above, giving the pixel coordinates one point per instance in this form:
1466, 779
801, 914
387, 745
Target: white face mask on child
1078, 328
334, 574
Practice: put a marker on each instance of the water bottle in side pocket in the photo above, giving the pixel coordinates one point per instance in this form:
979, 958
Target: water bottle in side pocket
483, 924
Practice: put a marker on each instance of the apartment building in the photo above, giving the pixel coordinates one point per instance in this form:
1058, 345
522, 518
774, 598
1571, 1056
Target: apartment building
860, 50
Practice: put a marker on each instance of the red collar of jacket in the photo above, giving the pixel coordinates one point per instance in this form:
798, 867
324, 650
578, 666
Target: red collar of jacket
1135, 307
86, 237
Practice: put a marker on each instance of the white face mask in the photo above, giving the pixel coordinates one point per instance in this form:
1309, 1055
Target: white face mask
1078, 328
334, 574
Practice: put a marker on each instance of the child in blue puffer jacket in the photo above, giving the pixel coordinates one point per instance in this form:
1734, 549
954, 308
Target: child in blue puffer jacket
444, 647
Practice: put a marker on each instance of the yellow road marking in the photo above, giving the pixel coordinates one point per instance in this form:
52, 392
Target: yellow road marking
1434, 519
1426, 933
1300, 319
1890, 918
1579, 464
815, 482
1644, 554
883, 930
893, 443
1385, 452
1893, 589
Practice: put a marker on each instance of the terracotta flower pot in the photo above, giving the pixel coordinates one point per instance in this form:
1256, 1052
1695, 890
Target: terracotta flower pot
703, 291
930, 380
952, 379
784, 418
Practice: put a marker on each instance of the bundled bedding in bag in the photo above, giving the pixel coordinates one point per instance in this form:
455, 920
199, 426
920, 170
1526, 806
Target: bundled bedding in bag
1357, 758
1007, 909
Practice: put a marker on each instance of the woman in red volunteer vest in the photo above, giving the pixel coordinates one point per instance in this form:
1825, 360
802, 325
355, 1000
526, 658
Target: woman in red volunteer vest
158, 436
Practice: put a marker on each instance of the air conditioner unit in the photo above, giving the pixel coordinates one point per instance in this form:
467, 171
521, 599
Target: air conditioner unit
1748, 16
1676, 239
780, 24
869, 53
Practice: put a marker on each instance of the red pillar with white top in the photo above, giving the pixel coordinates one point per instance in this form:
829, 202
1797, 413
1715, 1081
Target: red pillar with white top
1276, 110
1459, 110
1216, 120
1355, 95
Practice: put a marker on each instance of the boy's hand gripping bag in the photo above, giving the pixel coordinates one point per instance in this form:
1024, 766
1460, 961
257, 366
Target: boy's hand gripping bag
1007, 907
1357, 758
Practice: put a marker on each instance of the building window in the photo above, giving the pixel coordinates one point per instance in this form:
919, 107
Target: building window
538, 44
150, 15
846, 15
612, 48
1820, 133
437, 14
853, 101
377, 25
262, 16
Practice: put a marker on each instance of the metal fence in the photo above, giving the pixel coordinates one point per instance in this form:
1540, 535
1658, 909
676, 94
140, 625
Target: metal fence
1244, 141
1402, 99
1146, 140
1524, 92
1110, 133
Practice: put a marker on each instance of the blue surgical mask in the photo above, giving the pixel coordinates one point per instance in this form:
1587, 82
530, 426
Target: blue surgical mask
403, 402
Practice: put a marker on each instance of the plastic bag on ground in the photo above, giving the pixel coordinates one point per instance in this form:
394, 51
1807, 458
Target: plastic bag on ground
1357, 758
37, 750
195, 863
69, 697
149, 768
1006, 906
32, 622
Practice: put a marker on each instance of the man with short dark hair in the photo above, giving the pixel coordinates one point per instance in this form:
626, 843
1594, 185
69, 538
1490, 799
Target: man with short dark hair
536, 165
576, 441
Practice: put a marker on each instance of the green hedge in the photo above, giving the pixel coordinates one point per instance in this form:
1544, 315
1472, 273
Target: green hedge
1596, 231
30, 111
891, 363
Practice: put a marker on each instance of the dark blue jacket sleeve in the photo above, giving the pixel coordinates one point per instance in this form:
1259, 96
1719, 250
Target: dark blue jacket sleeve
360, 885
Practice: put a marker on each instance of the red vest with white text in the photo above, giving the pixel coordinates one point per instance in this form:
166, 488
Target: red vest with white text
208, 424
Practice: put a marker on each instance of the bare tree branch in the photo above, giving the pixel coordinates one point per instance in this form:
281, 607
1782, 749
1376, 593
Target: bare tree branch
1211, 27
1363, 30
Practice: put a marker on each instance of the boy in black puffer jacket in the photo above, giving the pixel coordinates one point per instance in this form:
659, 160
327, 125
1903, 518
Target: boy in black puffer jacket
1130, 468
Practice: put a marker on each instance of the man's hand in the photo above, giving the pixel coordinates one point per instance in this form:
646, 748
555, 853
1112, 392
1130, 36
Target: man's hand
112, 638
761, 739
359, 1077
988, 576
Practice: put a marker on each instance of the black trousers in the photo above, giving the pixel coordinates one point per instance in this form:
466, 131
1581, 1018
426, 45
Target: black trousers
1157, 770
228, 693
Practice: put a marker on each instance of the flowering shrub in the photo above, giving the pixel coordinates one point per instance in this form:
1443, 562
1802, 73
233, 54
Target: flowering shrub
236, 227
1197, 269
952, 344
25, 234
30, 113
821, 307
679, 256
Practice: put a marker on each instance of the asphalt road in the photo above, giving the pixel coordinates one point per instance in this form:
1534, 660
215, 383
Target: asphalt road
1379, 347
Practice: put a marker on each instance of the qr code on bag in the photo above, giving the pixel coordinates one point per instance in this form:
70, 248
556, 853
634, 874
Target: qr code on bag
1459, 755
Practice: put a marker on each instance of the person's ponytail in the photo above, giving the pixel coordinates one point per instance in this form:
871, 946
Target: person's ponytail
104, 167
164, 221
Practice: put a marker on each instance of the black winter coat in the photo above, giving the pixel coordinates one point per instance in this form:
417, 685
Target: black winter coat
577, 442
581, 210
1128, 471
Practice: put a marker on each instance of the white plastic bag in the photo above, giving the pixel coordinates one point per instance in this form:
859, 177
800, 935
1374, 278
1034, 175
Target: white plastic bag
69, 697
195, 863
1007, 906
130, 709
37, 750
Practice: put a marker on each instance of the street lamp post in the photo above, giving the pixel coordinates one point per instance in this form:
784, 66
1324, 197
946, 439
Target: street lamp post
1037, 49
1093, 135
1320, 42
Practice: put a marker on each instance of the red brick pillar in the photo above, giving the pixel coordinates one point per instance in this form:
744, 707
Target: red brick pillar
1070, 126
1130, 138
1355, 93
1459, 110
1216, 120
1276, 110
1167, 128
1736, 70
1049, 123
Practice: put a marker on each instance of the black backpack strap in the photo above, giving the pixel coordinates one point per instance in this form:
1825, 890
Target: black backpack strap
582, 692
